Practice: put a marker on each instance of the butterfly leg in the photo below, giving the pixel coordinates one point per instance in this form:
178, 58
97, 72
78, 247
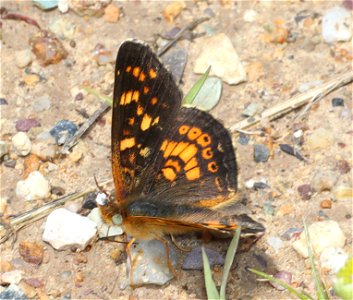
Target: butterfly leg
170, 265
184, 249
128, 246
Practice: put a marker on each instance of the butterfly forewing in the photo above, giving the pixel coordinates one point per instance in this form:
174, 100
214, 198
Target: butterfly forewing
146, 101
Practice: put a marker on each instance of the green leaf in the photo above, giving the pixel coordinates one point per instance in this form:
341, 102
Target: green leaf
190, 96
320, 289
229, 261
293, 291
344, 281
99, 95
209, 94
211, 289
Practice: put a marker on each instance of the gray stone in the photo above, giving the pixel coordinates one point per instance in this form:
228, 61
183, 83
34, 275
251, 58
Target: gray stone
333, 259
261, 153
324, 180
42, 104
13, 292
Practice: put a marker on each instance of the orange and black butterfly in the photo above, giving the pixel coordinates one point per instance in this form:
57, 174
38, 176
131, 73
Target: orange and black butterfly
174, 167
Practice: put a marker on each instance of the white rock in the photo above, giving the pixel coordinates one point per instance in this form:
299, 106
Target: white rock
324, 180
35, 187
64, 230
104, 230
337, 25
23, 58
333, 259
63, 6
12, 277
275, 242
219, 53
250, 15
323, 235
21, 143
320, 138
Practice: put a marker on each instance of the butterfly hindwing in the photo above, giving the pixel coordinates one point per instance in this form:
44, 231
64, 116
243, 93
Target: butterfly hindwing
146, 101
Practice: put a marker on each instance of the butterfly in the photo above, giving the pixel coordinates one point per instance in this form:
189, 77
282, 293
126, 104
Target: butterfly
174, 167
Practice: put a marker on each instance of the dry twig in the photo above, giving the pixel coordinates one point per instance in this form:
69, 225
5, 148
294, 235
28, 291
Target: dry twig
297, 101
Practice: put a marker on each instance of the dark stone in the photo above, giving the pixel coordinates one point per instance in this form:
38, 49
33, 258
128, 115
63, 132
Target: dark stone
337, 102
79, 97
243, 139
56, 190
3, 101
13, 292
260, 185
10, 163
305, 191
89, 201
63, 130
26, 124
261, 153
343, 166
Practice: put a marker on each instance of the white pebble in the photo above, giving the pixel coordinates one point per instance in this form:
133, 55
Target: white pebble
323, 235
23, 58
333, 259
12, 277
63, 6
21, 143
64, 230
104, 230
35, 187
250, 15
274, 242
218, 51
337, 25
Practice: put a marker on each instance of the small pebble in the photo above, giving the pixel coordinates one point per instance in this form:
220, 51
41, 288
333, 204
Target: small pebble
243, 139
337, 25
343, 166
89, 200
35, 187
63, 6
326, 203
320, 138
12, 277
346, 114
31, 79
13, 292
31, 252
261, 153
172, 10
275, 242
42, 104
46, 4
259, 185
63, 28
10, 163
333, 259
250, 110
111, 13
63, 130
3, 101
65, 230
305, 191
269, 208
35, 282
31, 163
193, 261
23, 58
324, 180
323, 235
250, 15
57, 190
46, 151
25, 125
337, 102
47, 48
21, 143
298, 137
286, 148
283, 276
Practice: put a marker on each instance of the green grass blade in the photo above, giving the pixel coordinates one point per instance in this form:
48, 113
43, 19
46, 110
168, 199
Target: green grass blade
190, 96
320, 289
211, 288
229, 261
99, 95
344, 281
293, 291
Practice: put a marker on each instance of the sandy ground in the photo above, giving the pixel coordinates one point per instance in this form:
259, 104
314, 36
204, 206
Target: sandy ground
280, 70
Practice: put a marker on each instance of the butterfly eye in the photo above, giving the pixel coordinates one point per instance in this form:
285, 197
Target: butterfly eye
117, 219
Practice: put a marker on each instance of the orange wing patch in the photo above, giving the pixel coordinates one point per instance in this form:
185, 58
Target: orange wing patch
152, 73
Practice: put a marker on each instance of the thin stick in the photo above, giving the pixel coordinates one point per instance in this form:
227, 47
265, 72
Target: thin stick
80, 132
296, 101
35, 214
190, 26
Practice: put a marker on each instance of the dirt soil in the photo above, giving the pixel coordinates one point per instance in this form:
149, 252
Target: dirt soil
275, 73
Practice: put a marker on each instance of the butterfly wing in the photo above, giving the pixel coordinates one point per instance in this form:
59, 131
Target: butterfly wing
146, 101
